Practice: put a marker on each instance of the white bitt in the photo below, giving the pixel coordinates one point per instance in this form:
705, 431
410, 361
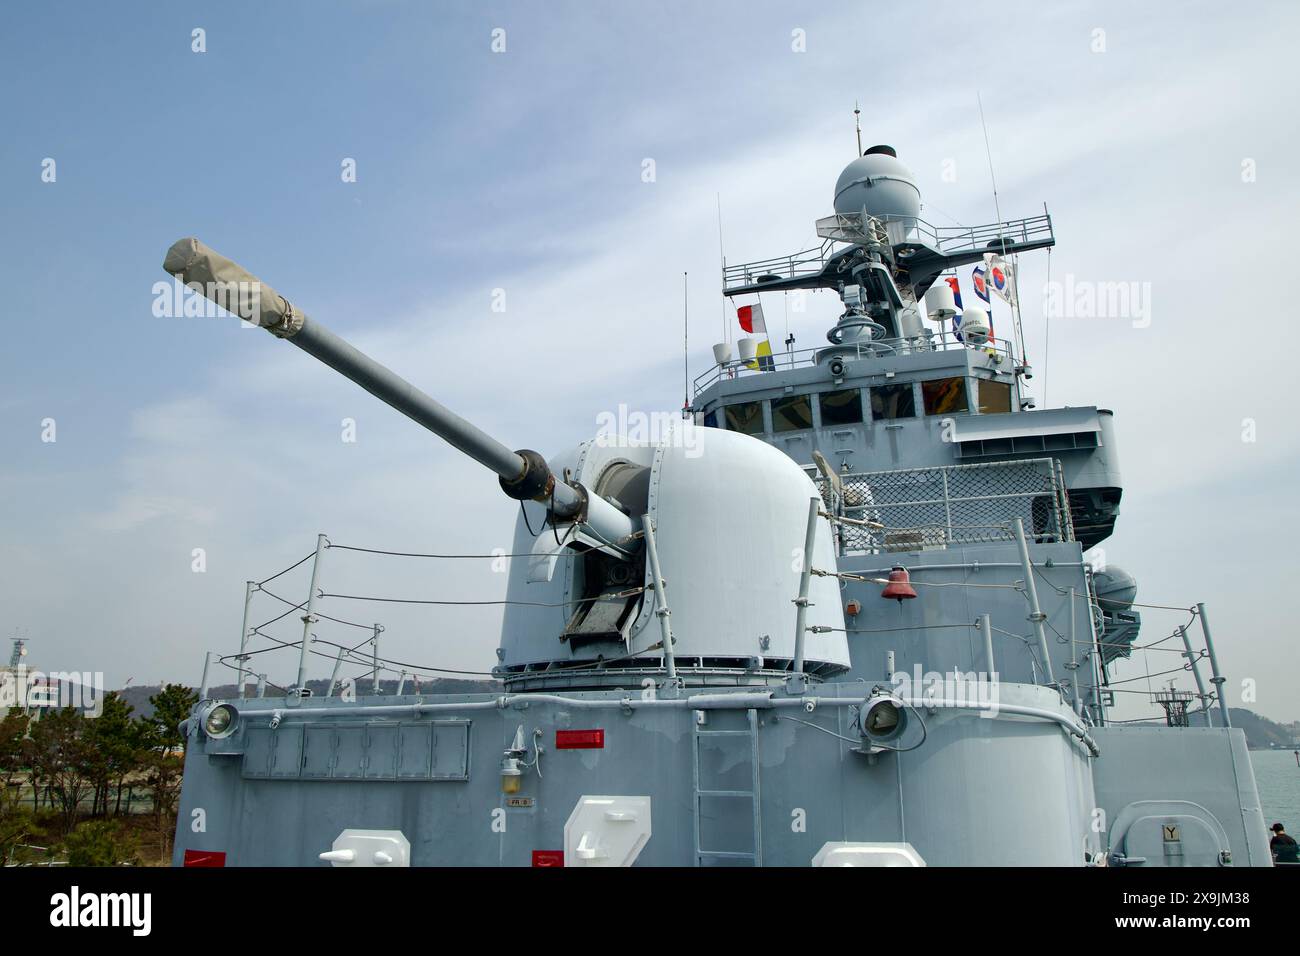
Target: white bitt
867, 854
369, 848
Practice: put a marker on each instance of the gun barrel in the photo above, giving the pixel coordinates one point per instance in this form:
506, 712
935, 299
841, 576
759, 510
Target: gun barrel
524, 474
318, 341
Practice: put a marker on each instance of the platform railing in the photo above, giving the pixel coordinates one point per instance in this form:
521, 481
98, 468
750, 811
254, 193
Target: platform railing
930, 340
855, 229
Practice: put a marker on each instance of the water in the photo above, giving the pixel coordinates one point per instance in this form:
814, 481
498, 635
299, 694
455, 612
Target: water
1278, 778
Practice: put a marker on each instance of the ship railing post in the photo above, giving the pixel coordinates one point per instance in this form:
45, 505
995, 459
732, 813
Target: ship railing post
334, 676
1094, 652
805, 577
1216, 678
947, 507
661, 602
249, 588
1192, 658
1073, 666
203, 684
986, 627
308, 619
1036, 614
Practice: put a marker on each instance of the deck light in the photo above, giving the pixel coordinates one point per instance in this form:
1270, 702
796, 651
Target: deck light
220, 721
883, 717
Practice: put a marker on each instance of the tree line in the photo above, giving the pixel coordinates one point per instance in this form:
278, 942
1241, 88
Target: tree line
68, 759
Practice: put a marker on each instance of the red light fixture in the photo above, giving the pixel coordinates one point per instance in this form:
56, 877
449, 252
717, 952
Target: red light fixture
900, 586
580, 739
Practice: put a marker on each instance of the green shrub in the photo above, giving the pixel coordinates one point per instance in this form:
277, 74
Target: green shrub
99, 843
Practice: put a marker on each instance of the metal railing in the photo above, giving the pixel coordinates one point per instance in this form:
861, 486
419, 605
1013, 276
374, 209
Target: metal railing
930, 340
855, 229
926, 509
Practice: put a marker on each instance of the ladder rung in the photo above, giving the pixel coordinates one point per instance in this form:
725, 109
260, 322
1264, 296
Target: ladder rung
723, 733
726, 793
728, 854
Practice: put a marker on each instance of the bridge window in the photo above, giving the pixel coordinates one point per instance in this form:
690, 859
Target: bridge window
746, 417
841, 408
893, 401
944, 395
994, 397
791, 413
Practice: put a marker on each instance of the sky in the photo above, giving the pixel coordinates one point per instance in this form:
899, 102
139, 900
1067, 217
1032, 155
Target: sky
1160, 136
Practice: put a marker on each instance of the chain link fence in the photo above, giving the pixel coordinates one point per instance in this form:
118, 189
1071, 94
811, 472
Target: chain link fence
926, 509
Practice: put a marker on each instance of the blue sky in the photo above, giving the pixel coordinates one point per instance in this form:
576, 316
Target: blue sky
522, 171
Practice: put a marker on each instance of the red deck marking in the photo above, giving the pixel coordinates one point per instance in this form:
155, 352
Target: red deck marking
204, 858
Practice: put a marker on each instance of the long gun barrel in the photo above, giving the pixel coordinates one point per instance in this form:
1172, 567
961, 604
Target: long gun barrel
524, 474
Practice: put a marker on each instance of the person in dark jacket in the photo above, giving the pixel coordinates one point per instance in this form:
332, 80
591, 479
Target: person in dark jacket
1283, 846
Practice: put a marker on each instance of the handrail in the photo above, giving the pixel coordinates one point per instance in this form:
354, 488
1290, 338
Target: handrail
852, 229
931, 340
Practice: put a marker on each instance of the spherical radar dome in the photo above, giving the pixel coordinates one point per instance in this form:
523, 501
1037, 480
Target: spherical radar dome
881, 184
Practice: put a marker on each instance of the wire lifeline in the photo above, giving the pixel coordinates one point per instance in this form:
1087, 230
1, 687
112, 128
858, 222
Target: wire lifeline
848, 576
326, 617
448, 557
387, 600
304, 560
222, 662
353, 658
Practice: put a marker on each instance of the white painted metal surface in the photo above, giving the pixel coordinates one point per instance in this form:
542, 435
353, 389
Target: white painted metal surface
606, 831
867, 854
730, 516
364, 848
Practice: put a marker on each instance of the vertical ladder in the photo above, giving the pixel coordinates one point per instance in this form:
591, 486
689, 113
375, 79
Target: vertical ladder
754, 856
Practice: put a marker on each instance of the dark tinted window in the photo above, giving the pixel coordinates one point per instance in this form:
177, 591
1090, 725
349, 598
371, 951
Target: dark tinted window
745, 417
893, 401
944, 395
791, 413
841, 408
994, 397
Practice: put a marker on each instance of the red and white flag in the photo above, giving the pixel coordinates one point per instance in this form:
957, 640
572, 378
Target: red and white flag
751, 320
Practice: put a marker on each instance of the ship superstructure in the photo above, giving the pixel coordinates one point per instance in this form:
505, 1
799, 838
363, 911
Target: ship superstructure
842, 615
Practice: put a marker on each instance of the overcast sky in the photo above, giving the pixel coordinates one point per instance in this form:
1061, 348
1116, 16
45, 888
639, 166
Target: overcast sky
1161, 136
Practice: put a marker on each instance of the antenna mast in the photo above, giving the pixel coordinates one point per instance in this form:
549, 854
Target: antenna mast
1017, 328
722, 257
857, 125
686, 351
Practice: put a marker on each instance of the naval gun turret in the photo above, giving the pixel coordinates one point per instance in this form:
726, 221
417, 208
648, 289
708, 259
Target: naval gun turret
524, 474
725, 518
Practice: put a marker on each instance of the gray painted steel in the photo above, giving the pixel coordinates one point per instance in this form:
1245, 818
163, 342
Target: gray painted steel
747, 757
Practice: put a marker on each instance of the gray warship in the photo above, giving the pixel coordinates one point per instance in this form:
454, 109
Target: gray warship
838, 615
